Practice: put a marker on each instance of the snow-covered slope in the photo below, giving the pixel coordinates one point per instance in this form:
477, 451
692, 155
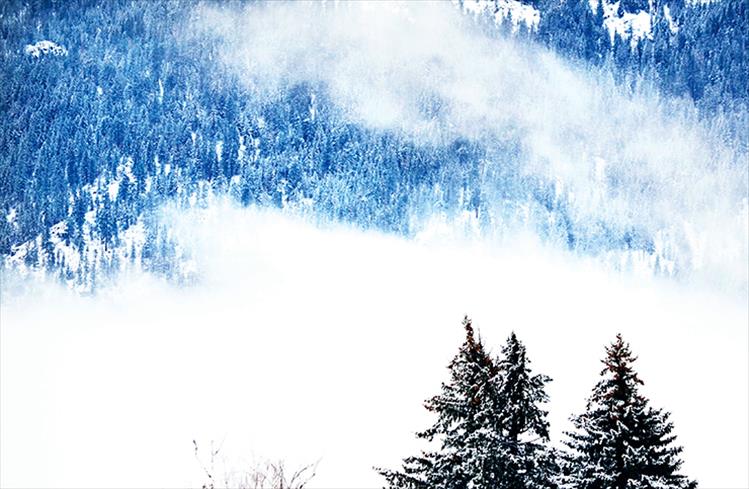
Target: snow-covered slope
42, 48
514, 11
628, 25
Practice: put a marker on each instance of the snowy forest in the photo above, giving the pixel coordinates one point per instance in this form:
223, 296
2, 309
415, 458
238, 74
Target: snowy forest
255, 223
109, 123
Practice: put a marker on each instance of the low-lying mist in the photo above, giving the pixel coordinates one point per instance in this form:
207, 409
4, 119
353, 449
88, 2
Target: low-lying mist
309, 343
626, 158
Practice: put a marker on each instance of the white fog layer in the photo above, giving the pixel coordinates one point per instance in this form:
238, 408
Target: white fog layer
301, 342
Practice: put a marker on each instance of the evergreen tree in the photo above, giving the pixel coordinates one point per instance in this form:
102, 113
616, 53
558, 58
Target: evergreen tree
620, 441
466, 427
524, 425
482, 438
520, 393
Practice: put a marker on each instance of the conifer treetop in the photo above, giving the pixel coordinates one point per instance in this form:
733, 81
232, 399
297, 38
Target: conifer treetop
521, 393
620, 442
482, 412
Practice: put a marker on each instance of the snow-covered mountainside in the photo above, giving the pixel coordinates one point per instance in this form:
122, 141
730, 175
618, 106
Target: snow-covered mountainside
501, 11
171, 105
264, 221
634, 25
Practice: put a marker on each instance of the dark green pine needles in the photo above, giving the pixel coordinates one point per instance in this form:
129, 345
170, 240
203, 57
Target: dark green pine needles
490, 430
620, 441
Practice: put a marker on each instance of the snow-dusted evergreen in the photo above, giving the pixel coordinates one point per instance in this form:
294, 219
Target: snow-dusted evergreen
490, 431
620, 442
523, 420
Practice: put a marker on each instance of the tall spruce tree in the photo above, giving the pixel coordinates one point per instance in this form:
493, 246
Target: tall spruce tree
620, 442
481, 444
525, 428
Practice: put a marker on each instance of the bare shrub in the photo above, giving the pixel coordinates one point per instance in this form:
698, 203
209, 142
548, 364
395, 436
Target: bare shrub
265, 475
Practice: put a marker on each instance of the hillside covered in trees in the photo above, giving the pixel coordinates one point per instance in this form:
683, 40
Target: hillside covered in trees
113, 110
235, 236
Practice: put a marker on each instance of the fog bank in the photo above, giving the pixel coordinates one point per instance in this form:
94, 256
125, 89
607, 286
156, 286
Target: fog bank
320, 343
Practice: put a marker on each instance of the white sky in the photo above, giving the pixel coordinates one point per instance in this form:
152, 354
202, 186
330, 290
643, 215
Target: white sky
308, 343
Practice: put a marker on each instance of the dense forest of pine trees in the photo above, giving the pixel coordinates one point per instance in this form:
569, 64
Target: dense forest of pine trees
132, 111
694, 49
491, 429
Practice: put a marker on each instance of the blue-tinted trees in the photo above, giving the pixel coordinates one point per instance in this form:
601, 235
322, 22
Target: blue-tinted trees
134, 105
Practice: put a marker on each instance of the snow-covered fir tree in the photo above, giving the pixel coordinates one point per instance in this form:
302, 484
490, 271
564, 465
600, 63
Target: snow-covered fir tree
481, 444
620, 442
524, 425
